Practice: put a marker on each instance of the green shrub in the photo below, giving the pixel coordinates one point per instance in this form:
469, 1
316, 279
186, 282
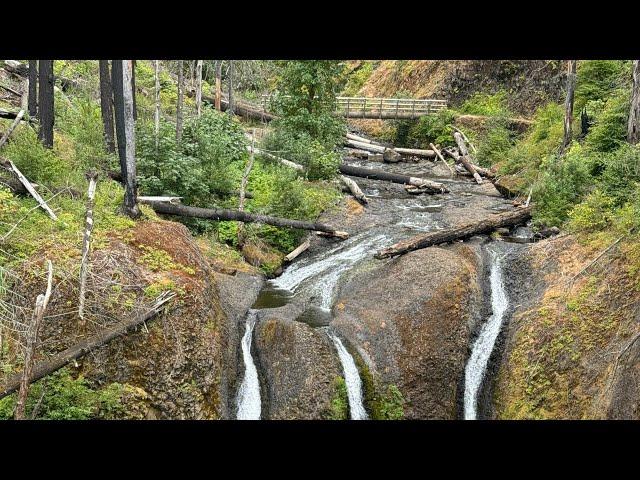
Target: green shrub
436, 129
67, 398
358, 77
620, 172
592, 214
391, 404
487, 104
563, 182
609, 130
597, 79
340, 401
495, 143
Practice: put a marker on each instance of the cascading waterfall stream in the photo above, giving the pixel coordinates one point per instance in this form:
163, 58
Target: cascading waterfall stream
249, 405
351, 378
484, 344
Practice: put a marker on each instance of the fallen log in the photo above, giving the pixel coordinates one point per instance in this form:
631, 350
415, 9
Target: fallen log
466, 139
355, 190
284, 161
241, 109
22, 70
437, 152
174, 200
416, 152
220, 214
8, 164
465, 159
503, 189
428, 185
370, 147
424, 240
13, 126
86, 346
10, 90
295, 253
12, 116
358, 138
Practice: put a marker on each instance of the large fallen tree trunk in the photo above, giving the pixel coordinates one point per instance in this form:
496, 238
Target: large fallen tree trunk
424, 240
428, 185
465, 159
219, 214
82, 348
416, 152
369, 147
242, 109
358, 138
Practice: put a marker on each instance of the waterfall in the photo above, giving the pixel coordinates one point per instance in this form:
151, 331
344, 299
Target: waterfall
320, 275
351, 378
483, 346
249, 392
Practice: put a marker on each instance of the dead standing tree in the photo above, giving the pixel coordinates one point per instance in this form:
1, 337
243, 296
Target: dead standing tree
199, 88
633, 128
568, 103
129, 173
180, 100
45, 103
32, 340
33, 89
106, 106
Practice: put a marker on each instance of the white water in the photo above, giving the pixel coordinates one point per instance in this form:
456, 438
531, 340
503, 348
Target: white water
328, 268
249, 392
483, 346
351, 378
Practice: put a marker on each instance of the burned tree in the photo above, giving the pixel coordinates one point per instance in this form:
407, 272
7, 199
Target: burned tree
116, 82
45, 102
568, 103
33, 89
180, 100
106, 106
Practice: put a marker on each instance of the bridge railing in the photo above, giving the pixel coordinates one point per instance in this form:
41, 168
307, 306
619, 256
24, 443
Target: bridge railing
377, 107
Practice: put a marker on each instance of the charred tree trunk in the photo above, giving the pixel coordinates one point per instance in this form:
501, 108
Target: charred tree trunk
633, 128
33, 89
424, 240
106, 106
428, 185
219, 214
129, 174
568, 103
118, 107
180, 100
45, 102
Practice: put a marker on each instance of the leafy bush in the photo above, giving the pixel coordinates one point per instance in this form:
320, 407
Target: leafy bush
432, 128
563, 182
594, 213
209, 159
487, 104
340, 401
610, 125
597, 79
620, 173
67, 398
495, 143
357, 78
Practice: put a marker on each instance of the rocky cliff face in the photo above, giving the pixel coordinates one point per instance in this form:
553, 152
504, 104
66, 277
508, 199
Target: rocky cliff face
410, 321
571, 348
298, 364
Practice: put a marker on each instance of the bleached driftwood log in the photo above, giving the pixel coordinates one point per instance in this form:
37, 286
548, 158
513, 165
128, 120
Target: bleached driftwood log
299, 250
9, 165
428, 185
437, 152
354, 189
464, 157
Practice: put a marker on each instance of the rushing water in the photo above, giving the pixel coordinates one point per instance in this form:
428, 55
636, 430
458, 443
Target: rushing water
319, 275
249, 392
483, 346
351, 378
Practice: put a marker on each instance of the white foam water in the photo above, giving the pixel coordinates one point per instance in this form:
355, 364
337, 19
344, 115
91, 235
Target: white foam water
351, 378
325, 271
484, 344
249, 405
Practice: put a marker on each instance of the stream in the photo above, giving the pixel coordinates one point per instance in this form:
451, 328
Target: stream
483, 347
313, 279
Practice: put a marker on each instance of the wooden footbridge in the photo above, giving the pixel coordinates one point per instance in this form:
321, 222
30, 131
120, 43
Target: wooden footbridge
379, 108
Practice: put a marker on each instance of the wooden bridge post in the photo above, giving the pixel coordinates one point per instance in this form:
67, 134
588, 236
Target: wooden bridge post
348, 101
397, 102
380, 113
